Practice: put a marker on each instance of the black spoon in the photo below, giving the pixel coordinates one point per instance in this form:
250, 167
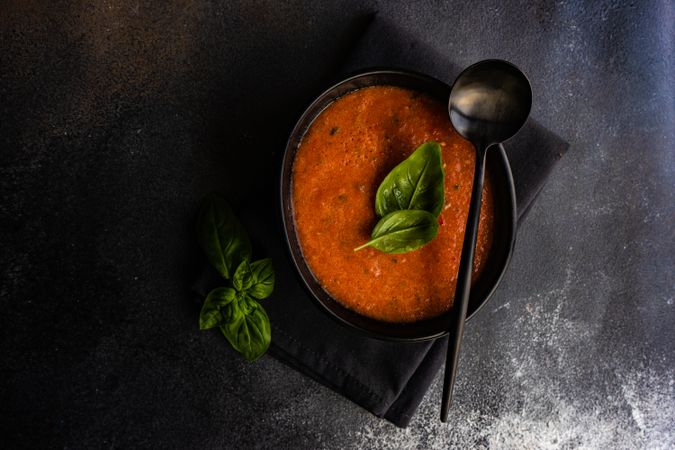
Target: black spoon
489, 102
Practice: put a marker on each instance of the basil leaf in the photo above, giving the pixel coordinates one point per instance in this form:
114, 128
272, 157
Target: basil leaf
243, 278
263, 279
416, 183
221, 235
248, 331
403, 231
211, 315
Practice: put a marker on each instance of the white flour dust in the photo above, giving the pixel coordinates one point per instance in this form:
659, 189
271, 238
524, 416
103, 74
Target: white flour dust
551, 390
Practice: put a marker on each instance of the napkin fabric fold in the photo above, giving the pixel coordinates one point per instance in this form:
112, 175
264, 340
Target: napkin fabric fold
388, 379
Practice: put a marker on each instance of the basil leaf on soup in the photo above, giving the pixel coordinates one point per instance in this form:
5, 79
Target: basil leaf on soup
262, 274
403, 231
243, 277
221, 236
248, 330
211, 315
416, 183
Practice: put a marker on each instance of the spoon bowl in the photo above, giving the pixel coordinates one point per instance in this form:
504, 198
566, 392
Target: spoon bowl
489, 102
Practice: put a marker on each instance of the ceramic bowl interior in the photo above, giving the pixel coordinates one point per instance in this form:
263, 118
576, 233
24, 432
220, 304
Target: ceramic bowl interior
505, 214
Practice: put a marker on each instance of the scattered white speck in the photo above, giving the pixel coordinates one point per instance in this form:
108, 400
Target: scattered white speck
506, 305
540, 409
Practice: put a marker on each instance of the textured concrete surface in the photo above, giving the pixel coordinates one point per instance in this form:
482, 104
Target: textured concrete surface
113, 121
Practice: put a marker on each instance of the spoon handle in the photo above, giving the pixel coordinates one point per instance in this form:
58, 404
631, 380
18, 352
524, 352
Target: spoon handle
458, 312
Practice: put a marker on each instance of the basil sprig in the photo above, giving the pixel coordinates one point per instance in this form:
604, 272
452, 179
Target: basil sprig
234, 309
409, 201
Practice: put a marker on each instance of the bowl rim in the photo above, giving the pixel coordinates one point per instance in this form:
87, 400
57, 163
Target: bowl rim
298, 132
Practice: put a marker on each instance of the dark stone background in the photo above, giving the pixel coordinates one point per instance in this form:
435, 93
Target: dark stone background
116, 118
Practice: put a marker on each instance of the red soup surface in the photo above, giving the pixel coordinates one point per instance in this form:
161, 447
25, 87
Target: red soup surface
343, 157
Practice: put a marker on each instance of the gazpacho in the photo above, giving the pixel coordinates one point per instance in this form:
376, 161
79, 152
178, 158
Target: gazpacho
343, 157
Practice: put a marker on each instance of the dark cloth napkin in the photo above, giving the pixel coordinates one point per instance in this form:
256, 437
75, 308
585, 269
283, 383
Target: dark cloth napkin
388, 379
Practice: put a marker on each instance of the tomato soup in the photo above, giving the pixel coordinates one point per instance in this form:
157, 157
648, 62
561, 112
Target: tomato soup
342, 159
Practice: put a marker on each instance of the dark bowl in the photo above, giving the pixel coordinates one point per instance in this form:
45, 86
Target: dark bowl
504, 201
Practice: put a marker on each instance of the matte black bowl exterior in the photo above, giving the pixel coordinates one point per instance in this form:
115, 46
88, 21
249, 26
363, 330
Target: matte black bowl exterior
505, 213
